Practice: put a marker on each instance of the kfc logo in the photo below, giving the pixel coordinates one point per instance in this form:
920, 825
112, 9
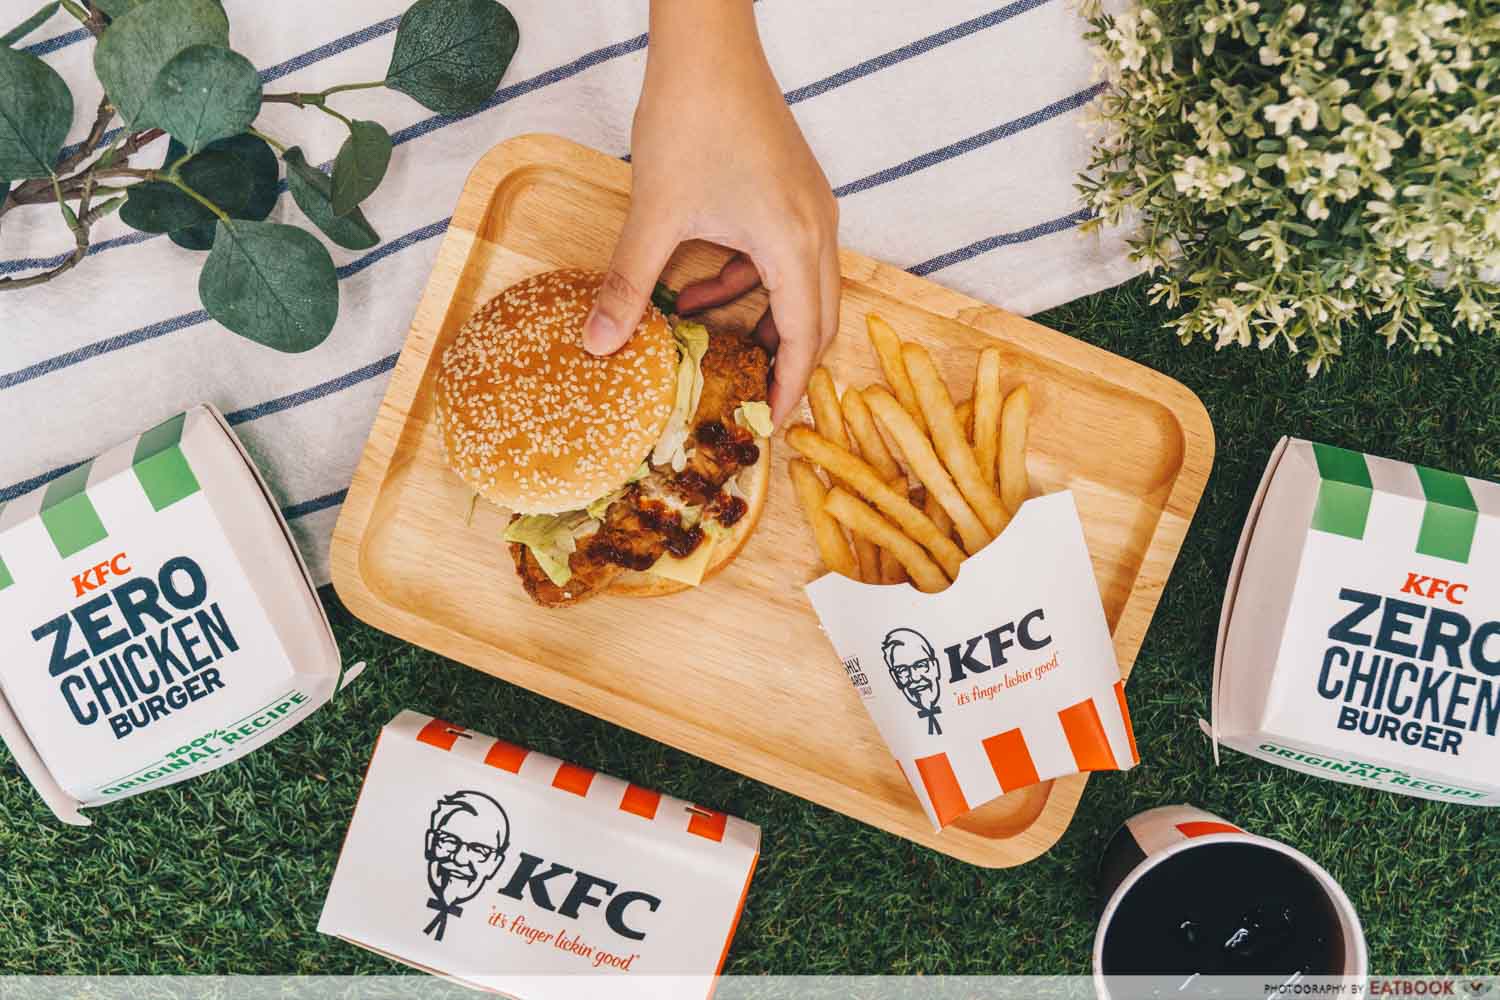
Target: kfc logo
916, 672
467, 838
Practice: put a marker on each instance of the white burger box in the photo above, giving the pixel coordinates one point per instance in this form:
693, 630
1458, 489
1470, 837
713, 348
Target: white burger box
1005, 679
156, 619
504, 869
1359, 639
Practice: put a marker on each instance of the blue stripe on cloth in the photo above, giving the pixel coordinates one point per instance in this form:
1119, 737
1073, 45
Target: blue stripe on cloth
25, 486
306, 507
912, 50
27, 263
1002, 240
296, 399
56, 42
1005, 131
172, 325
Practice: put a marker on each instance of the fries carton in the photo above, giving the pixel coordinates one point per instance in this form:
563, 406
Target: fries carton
1360, 636
156, 621
477, 860
1005, 679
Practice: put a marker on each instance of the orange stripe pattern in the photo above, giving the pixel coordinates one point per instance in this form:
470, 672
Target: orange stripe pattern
506, 756
1135, 753
439, 734
1203, 827
707, 824
641, 801
572, 778
948, 801
1011, 760
1086, 736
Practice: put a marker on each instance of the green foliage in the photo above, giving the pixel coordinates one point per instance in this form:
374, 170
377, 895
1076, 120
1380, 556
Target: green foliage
138, 45
205, 93
168, 65
29, 25
256, 160
1291, 169
361, 165
312, 190
451, 54
36, 109
271, 283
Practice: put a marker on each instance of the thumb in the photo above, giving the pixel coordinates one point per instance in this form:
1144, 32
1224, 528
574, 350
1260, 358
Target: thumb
639, 259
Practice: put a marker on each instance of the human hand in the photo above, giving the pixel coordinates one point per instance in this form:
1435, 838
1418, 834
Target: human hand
718, 156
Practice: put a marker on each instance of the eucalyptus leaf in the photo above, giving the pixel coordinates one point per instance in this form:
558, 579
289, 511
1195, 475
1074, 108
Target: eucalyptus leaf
29, 25
360, 165
140, 42
36, 109
312, 190
255, 159
273, 284
205, 93
450, 54
161, 207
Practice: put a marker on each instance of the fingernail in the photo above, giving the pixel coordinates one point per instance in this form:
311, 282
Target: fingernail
599, 333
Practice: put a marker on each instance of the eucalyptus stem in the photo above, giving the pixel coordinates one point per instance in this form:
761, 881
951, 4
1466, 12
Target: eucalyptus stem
329, 111
279, 147
180, 185
317, 99
75, 10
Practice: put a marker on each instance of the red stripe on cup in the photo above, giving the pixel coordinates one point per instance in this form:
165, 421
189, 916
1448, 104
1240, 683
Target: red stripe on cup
948, 801
641, 801
506, 756
1086, 736
706, 823
1125, 714
1203, 827
439, 734
572, 778
1010, 760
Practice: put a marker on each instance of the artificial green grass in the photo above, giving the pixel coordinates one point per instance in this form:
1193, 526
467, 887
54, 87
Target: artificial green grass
227, 873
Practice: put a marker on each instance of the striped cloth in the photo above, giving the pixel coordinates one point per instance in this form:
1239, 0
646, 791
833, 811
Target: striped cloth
951, 131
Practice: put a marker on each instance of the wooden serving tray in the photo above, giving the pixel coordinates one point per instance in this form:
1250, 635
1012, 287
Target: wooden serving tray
738, 671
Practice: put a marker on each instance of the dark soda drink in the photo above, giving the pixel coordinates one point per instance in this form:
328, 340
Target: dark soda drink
1222, 909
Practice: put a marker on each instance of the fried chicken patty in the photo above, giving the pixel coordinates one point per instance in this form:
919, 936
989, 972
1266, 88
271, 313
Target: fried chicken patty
646, 521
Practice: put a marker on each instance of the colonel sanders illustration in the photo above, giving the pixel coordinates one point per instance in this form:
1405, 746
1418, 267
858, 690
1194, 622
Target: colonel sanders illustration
467, 837
915, 670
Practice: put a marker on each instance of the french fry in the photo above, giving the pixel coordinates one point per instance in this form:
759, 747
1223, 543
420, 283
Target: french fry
985, 421
939, 516
1014, 421
860, 519
833, 547
839, 462
966, 418
828, 417
951, 443
829, 420
861, 424
888, 349
890, 568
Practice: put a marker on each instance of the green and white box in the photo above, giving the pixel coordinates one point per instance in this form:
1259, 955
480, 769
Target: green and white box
156, 620
1360, 636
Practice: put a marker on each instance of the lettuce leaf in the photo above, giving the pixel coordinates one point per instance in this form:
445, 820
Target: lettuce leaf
551, 540
692, 344
756, 417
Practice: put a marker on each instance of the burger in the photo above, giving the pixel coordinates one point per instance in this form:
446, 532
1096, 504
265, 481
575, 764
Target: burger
641, 473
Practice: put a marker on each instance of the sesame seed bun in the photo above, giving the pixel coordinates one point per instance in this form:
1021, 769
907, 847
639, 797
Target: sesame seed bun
532, 421
755, 481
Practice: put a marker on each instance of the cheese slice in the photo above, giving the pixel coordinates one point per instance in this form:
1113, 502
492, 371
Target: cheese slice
689, 570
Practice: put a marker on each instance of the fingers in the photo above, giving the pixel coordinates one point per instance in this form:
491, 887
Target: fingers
797, 302
765, 333
641, 255
735, 278
831, 289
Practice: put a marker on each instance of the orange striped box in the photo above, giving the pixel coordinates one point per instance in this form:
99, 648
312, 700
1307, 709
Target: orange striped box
1005, 679
509, 870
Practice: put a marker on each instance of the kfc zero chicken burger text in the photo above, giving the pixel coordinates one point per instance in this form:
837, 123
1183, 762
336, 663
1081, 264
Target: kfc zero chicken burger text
639, 473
